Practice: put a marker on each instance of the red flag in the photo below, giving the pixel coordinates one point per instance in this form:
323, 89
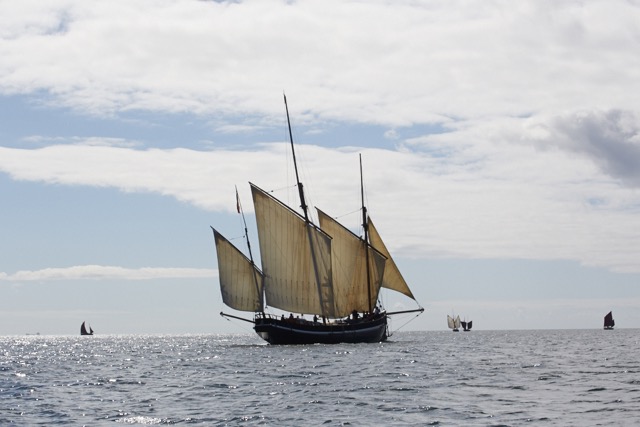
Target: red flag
237, 201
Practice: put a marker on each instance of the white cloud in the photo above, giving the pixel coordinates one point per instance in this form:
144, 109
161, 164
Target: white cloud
494, 194
538, 98
101, 272
401, 63
611, 139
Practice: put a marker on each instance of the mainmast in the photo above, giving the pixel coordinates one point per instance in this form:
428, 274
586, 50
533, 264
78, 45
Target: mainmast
303, 205
323, 301
365, 225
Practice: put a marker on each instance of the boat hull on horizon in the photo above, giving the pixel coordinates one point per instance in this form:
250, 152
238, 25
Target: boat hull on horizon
609, 323
294, 331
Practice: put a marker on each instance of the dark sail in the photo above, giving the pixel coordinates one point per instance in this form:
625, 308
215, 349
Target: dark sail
608, 321
83, 330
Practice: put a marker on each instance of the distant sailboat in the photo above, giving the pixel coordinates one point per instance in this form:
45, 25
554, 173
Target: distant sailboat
83, 330
608, 321
454, 324
466, 326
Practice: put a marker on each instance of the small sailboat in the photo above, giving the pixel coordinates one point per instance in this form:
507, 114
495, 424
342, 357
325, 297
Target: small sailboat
608, 321
325, 271
466, 326
83, 329
453, 323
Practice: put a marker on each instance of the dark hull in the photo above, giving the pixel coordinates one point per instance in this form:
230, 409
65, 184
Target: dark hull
293, 331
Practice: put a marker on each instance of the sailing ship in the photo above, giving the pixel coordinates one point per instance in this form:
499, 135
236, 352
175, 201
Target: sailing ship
83, 329
466, 326
325, 271
608, 321
453, 323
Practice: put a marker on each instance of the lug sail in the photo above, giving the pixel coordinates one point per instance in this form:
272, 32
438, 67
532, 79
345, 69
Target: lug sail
392, 278
83, 329
239, 289
609, 323
295, 258
451, 323
348, 260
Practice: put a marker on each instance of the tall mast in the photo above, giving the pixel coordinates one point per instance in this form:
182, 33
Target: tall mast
365, 226
303, 205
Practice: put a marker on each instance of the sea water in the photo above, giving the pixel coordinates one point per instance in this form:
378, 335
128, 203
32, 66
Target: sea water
478, 378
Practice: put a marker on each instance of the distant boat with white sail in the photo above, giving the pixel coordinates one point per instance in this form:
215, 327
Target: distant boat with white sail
453, 323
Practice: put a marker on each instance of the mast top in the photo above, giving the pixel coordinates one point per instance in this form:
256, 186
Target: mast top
303, 205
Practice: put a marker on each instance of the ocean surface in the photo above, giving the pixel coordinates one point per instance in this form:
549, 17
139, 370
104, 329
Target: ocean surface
478, 378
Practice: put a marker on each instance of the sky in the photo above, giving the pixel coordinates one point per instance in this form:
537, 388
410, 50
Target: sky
500, 144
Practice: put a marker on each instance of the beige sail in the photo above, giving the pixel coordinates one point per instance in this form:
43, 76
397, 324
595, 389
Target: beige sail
295, 258
239, 278
348, 261
451, 322
392, 278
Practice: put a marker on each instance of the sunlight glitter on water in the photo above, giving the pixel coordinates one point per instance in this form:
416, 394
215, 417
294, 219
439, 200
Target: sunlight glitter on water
500, 378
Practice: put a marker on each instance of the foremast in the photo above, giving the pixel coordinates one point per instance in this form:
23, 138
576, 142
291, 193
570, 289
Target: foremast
258, 285
239, 291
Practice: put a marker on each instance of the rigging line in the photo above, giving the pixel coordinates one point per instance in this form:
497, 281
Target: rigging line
347, 214
282, 188
407, 322
231, 239
240, 325
241, 219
